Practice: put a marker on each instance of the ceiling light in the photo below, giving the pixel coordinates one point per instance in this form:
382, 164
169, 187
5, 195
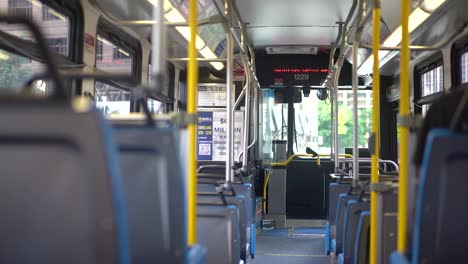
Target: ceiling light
417, 17
36, 3
185, 32
431, 5
174, 16
208, 53
367, 66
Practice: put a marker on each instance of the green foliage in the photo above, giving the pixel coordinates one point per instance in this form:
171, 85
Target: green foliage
346, 140
13, 72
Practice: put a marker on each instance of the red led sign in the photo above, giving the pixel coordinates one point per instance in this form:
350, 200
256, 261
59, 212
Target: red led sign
300, 70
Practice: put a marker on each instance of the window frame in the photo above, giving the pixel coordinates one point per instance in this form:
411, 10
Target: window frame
29, 6
431, 63
459, 47
72, 9
168, 99
125, 41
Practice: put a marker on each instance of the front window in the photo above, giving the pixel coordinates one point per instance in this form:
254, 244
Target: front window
312, 122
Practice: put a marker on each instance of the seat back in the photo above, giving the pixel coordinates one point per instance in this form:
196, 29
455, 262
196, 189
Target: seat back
155, 193
335, 190
389, 224
218, 231
362, 244
340, 217
440, 233
60, 191
351, 224
239, 202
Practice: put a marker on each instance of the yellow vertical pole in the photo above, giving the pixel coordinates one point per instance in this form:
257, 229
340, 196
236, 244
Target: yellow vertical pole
404, 131
375, 131
192, 77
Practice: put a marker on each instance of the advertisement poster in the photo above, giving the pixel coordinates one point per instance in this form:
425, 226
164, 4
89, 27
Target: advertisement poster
211, 132
210, 95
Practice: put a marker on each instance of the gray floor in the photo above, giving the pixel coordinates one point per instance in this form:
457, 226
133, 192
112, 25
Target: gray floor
291, 246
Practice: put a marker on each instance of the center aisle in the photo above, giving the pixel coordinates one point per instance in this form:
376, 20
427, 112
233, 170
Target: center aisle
291, 246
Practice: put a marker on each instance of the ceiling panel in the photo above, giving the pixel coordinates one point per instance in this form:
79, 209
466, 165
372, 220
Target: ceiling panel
317, 36
293, 22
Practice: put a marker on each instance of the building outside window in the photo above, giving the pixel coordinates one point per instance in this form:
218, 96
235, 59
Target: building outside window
20, 8
59, 45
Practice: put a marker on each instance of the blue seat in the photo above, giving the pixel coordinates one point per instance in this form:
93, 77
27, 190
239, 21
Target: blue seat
246, 190
341, 259
337, 242
218, 231
440, 233
155, 193
361, 246
239, 202
351, 226
61, 193
335, 190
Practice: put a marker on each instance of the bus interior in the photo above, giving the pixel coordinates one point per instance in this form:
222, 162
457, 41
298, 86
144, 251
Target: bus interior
231, 131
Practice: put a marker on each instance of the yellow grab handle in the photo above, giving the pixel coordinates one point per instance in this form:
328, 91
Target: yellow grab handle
286, 162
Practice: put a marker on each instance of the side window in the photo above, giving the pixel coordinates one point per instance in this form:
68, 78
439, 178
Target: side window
432, 81
182, 95
464, 67
109, 98
425, 108
429, 82
112, 100
116, 52
20, 8
17, 68
113, 58
55, 25
154, 105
